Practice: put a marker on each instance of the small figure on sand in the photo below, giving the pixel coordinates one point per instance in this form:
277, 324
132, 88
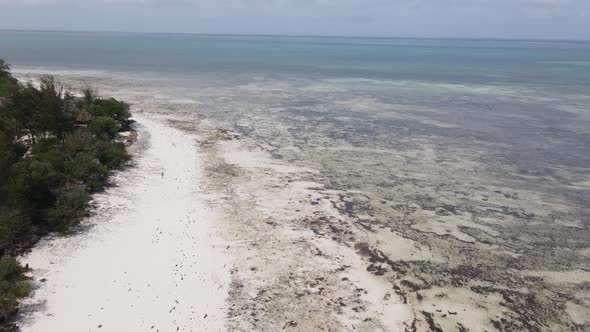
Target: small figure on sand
162, 173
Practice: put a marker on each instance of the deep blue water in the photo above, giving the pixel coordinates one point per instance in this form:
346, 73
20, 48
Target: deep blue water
456, 61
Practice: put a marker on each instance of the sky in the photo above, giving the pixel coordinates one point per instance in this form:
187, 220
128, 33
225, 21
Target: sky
521, 19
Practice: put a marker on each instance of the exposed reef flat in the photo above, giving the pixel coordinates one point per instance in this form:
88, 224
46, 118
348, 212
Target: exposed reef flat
466, 205
470, 203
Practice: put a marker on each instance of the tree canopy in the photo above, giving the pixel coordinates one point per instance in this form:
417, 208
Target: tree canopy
50, 163
7, 82
4, 69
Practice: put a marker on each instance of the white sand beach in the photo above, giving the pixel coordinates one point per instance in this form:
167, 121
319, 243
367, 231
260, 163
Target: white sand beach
165, 251
148, 259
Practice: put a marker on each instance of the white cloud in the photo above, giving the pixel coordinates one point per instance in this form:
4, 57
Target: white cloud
379, 17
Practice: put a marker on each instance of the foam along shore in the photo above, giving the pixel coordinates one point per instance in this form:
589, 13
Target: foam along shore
147, 259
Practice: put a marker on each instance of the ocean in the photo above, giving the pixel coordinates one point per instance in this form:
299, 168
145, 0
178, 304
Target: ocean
433, 60
476, 151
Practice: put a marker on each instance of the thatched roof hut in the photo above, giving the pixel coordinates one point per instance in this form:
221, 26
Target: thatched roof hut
85, 117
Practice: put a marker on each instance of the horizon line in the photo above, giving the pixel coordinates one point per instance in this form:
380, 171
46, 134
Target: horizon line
298, 35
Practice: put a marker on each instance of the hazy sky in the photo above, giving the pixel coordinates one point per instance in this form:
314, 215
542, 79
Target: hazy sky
561, 19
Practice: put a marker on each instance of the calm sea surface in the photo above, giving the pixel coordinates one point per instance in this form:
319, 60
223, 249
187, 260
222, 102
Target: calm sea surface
457, 61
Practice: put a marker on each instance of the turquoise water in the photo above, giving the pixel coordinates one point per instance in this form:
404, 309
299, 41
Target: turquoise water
480, 61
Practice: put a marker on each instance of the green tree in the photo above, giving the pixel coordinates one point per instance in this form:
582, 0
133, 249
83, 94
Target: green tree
80, 140
112, 108
11, 149
7, 82
13, 285
57, 108
47, 111
4, 69
69, 209
86, 168
25, 107
89, 95
13, 225
45, 181
112, 154
104, 127
31, 186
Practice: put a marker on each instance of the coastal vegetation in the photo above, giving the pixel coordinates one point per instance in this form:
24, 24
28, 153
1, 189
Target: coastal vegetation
56, 149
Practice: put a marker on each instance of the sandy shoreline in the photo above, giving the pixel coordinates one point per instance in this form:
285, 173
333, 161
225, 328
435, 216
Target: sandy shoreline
195, 250
147, 259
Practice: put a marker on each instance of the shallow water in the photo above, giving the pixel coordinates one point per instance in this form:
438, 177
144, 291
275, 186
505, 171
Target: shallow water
477, 152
